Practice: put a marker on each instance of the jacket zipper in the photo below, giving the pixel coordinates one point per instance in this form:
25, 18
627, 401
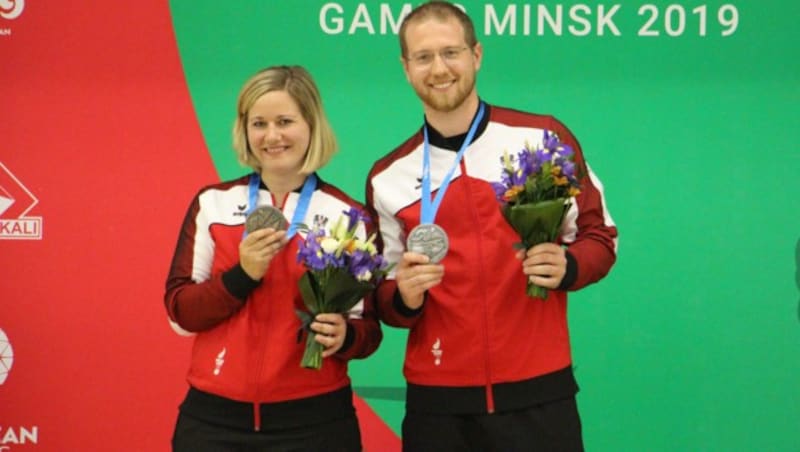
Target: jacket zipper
257, 416
262, 343
489, 392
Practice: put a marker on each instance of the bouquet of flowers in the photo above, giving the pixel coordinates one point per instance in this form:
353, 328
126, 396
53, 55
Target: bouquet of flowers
534, 192
341, 269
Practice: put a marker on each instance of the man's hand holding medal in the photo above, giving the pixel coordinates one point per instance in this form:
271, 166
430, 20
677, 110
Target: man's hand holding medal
427, 244
416, 274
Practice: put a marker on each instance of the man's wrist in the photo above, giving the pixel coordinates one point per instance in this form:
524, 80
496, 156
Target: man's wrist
404, 310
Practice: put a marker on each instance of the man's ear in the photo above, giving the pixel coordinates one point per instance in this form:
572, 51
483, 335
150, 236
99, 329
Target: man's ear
478, 53
404, 63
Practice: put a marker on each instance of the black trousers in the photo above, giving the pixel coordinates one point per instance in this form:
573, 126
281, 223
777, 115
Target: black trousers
550, 427
194, 435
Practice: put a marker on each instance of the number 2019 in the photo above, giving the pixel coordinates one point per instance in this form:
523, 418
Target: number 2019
674, 20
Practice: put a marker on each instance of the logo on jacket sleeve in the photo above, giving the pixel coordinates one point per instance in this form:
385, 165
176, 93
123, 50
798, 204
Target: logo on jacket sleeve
320, 221
219, 361
437, 352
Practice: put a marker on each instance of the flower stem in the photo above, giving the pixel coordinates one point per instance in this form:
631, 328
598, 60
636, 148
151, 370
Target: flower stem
312, 356
536, 291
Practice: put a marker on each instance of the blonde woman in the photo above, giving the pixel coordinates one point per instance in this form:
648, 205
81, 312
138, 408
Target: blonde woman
237, 291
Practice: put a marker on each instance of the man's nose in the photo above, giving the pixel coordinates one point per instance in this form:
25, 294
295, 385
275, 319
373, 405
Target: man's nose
439, 64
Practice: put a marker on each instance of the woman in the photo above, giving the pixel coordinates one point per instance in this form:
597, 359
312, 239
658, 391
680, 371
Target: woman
237, 291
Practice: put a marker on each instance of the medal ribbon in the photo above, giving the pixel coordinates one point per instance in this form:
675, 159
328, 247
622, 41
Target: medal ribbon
309, 186
429, 208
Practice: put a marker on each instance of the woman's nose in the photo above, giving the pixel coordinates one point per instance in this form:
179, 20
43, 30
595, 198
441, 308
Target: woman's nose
272, 134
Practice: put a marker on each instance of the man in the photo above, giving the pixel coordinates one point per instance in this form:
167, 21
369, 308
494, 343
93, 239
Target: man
487, 367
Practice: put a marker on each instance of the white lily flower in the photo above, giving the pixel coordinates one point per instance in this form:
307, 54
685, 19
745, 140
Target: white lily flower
329, 245
340, 228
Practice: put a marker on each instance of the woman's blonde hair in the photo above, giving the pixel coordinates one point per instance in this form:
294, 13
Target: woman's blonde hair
297, 82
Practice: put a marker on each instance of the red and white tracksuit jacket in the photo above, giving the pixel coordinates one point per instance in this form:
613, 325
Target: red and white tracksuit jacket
246, 345
478, 343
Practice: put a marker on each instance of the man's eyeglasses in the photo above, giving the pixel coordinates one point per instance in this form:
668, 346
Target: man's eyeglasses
426, 57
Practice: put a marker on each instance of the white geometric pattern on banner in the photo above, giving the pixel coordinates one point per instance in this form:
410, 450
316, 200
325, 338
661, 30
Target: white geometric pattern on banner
6, 356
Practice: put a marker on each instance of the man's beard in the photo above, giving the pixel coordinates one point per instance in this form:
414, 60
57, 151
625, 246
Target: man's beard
446, 102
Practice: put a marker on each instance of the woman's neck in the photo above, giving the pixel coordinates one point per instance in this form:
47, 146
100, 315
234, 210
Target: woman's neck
280, 185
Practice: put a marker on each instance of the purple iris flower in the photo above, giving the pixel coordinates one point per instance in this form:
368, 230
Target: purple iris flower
355, 215
528, 164
520, 177
550, 140
380, 264
500, 188
310, 252
568, 168
360, 263
565, 150
541, 157
332, 261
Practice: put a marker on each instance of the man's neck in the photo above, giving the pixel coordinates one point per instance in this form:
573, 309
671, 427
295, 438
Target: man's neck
454, 122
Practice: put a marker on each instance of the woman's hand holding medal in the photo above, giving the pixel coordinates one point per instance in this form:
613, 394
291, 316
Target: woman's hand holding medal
265, 235
266, 230
415, 275
258, 248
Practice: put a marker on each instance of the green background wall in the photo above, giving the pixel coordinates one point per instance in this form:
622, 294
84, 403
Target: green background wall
692, 341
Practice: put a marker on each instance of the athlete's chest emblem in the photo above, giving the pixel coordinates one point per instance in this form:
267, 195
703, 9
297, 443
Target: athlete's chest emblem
437, 352
219, 361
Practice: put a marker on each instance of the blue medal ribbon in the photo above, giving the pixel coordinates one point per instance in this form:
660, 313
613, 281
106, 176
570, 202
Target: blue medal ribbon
429, 208
309, 186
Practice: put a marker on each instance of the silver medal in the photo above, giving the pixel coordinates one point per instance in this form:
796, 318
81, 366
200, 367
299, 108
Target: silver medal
430, 240
265, 217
